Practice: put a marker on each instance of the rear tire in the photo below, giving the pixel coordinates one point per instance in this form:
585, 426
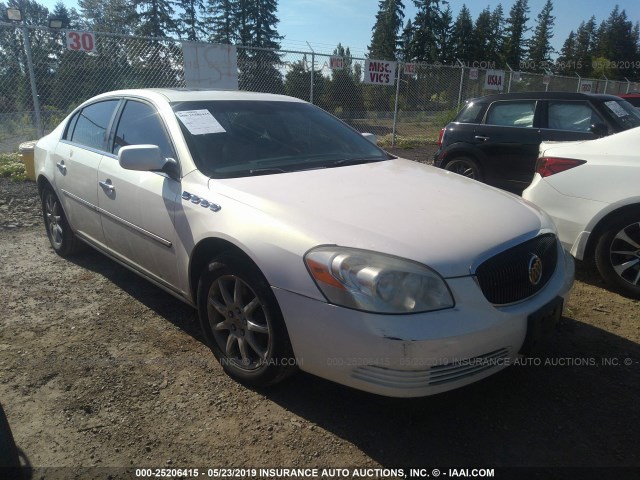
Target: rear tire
63, 241
242, 323
465, 166
617, 254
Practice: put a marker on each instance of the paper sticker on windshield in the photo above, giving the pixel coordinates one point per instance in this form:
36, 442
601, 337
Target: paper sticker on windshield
200, 122
616, 108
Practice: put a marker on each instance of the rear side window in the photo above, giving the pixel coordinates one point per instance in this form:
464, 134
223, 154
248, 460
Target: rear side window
91, 124
469, 114
512, 114
574, 116
139, 124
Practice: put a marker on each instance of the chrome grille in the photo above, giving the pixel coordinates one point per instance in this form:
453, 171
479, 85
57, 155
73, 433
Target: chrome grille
505, 277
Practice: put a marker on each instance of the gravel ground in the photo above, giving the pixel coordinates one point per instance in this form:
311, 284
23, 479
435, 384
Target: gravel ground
99, 368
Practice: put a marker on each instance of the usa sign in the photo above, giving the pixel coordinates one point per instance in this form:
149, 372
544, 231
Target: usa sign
379, 72
494, 80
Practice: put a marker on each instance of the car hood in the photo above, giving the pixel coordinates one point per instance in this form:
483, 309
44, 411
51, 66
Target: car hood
399, 207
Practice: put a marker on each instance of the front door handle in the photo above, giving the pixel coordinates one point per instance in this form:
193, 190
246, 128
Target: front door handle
106, 185
61, 166
482, 138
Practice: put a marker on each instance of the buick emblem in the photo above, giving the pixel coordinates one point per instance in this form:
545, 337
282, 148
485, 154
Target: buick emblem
535, 269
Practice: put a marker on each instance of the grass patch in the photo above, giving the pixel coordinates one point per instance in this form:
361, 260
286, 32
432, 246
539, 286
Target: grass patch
12, 167
407, 141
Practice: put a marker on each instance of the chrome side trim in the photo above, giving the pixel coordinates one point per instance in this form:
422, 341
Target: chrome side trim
102, 211
82, 201
138, 229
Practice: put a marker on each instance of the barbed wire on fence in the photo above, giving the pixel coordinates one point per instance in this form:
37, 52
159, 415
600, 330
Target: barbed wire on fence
42, 81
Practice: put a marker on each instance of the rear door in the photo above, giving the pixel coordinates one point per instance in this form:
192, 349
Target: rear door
77, 158
509, 140
567, 120
137, 208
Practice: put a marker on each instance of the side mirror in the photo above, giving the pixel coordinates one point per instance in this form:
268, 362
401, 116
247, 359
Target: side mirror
371, 137
599, 129
146, 158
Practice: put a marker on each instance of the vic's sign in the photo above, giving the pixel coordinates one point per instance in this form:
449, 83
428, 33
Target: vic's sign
379, 72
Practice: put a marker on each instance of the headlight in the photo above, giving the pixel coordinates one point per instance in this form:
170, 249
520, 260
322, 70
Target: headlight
376, 282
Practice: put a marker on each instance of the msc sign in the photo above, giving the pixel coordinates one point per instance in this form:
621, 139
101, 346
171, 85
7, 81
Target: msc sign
494, 80
379, 72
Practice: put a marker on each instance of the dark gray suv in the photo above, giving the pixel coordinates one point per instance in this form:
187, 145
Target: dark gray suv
495, 139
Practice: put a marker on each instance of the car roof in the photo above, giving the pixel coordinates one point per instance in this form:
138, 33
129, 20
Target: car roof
194, 94
543, 96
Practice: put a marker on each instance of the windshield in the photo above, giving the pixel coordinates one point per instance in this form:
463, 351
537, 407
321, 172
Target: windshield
241, 138
623, 113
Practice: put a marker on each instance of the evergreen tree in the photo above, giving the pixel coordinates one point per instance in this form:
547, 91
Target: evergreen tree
220, 21
113, 16
566, 62
444, 43
69, 16
189, 23
540, 48
405, 41
515, 45
481, 37
385, 40
425, 26
586, 45
617, 43
461, 35
155, 18
495, 44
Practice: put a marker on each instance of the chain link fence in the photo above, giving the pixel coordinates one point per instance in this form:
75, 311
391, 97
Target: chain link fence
41, 81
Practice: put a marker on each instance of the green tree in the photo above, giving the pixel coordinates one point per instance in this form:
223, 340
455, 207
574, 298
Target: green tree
481, 36
426, 24
220, 21
190, 24
461, 35
566, 62
585, 46
540, 48
155, 18
385, 40
515, 44
113, 16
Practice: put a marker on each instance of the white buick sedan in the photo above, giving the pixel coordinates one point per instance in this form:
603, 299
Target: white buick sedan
591, 190
300, 242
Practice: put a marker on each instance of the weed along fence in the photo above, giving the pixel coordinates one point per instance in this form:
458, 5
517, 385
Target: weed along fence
45, 73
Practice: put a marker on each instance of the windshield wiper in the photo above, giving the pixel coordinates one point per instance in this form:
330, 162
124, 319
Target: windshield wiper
354, 161
266, 171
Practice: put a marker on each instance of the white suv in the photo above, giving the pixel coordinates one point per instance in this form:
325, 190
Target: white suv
300, 242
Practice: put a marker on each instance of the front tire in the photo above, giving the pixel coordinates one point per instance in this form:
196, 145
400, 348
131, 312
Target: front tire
63, 241
242, 323
617, 255
465, 166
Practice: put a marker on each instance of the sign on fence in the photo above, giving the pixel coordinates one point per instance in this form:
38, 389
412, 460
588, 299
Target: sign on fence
494, 80
473, 74
546, 80
81, 41
379, 72
586, 86
210, 66
336, 63
409, 68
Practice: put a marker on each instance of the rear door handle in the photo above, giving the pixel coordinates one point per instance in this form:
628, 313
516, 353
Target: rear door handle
481, 138
106, 184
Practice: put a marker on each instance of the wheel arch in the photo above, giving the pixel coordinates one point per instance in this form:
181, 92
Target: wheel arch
204, 251
602, 224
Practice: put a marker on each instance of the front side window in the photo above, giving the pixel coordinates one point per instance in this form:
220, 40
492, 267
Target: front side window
512, 114
92, 124
241, 138
140, 124
574, 116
